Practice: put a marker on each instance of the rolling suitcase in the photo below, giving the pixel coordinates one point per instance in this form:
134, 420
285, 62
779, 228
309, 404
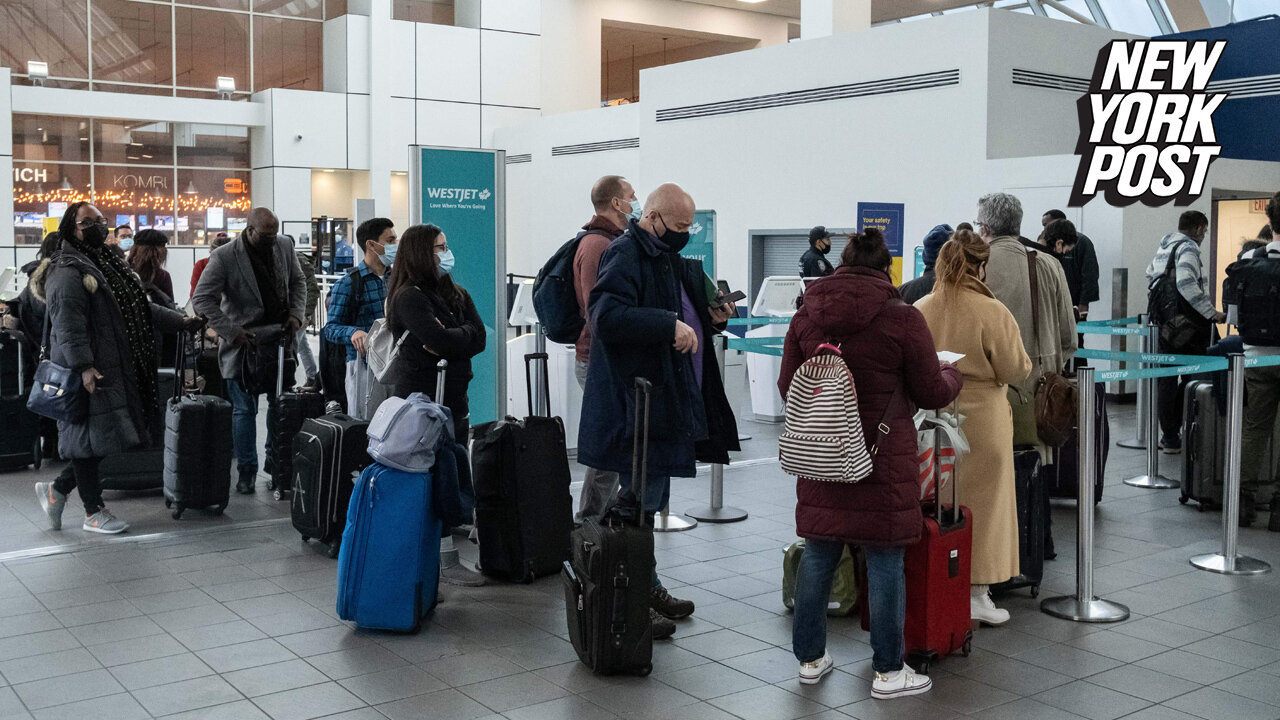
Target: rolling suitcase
141, 468
389, 560
524, 512
289, 410
197, 451
328, 452
1204, 446
607, 577
1063, 477
1033, 504
20, 442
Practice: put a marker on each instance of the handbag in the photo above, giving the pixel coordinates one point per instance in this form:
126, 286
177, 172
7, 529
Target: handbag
1055, 400
381, 350
57, 392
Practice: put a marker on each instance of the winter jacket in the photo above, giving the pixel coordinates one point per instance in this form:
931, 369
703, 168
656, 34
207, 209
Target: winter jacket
634, 308
887, 347
436, 332
87, 330
307, 263
1189, 271
913, 290
1081, 267
814, 264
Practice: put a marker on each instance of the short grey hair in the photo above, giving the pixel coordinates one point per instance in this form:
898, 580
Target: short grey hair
1001, 213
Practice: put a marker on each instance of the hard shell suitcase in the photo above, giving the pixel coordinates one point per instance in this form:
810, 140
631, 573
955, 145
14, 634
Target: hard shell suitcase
197, 451
289, 411
607, 577
1204, 446
141, 468
524, 512
20, 442
1032, 511
328, 452
1063, 477
389, 562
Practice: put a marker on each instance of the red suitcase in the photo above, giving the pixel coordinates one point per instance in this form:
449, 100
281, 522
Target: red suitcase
937, 570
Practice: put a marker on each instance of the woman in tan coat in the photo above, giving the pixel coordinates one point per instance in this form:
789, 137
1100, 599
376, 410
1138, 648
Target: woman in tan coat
965, 318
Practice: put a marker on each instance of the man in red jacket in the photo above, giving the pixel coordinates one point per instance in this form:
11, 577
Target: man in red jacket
614, 201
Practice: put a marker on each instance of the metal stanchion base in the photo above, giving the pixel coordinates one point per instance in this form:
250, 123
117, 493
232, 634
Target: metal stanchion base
1217, 563
672, 523
1152, 482
706, 513
1068, 607
1134, 444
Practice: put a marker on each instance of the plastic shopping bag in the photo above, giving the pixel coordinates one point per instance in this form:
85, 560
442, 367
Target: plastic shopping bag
941, 443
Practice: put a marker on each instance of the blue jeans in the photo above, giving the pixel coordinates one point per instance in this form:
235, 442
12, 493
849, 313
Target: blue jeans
244, 425
886, 595
657, 491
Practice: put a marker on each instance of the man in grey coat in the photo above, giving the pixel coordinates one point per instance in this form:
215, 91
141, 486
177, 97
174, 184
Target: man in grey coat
253, 286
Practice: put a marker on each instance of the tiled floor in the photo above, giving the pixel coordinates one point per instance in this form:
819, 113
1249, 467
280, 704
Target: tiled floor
234, 618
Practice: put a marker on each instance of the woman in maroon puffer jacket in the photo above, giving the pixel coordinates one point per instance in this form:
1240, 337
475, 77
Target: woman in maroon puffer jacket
887, 346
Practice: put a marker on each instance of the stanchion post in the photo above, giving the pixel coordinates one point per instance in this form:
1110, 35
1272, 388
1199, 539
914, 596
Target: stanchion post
1149, 417
1229, 561
716, 512
1084, 606
666, 522
1139, 441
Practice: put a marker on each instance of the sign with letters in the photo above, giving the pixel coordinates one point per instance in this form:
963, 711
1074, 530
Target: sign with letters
887, 218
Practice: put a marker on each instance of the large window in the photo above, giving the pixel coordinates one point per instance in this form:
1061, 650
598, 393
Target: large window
168, 48
185, 179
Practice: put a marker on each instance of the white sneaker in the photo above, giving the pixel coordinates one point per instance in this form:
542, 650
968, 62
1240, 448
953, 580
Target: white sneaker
104, 522
981, 608
53, 503
811, 673
906, 681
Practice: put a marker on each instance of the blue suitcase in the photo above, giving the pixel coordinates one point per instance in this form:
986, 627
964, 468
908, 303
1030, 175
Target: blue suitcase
389, 561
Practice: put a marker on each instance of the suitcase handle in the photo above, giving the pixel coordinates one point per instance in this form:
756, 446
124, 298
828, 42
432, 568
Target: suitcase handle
442, 371
640, 450
546, 380
180, 365
937, 476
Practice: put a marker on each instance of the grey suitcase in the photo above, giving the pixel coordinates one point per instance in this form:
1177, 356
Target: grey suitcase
1204, 440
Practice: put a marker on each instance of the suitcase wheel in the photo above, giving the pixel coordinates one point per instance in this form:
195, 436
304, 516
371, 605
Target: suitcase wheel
305, 538
337, 544
217, 510
1182, 499
644, 671
271, 484
177, 511
1035, 593
968, 639
279, 494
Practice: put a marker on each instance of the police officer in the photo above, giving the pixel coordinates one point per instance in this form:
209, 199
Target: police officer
814, 263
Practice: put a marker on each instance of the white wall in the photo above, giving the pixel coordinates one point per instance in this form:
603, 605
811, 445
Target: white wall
6, 162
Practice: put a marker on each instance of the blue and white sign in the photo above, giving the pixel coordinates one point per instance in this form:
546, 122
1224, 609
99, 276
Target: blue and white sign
887, 218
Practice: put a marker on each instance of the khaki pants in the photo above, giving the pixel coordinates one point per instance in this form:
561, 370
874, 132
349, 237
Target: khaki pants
1262, 399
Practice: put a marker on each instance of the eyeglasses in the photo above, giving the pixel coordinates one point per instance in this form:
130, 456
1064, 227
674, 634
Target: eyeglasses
90, 222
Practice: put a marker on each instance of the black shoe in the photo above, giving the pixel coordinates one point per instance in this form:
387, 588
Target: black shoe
1171, 444
248, 483
661, 601
662, 627
1249, 512
1273, 522
312, 385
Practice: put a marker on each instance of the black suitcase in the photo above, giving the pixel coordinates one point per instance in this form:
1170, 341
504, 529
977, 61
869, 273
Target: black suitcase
142, 469
606, 579
1033, 504
285, 416
20, 441
327, 453
1204, 440
1063, 476
197, 452
524, 511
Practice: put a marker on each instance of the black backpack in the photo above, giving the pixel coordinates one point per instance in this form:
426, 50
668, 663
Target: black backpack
1253, 286
333, 357
1164, 302
555, 299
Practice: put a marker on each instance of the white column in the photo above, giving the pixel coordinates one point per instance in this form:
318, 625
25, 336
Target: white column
380, 134
6, 162
819, 18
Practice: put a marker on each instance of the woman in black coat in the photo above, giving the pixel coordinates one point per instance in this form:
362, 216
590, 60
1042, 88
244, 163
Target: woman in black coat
441, 320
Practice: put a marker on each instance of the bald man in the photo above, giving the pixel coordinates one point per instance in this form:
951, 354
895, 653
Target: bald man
652, 318
252, 292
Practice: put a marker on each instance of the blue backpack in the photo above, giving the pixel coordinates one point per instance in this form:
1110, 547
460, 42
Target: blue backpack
555, 298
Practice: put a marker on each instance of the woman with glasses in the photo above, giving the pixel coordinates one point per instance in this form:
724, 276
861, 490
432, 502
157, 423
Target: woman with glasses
101, 327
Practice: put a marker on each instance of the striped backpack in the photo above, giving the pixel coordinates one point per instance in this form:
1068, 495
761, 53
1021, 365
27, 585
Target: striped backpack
822, 438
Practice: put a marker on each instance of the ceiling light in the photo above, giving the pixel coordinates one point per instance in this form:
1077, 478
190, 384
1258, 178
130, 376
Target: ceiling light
327, 170
66, 184
191, 188
38, 72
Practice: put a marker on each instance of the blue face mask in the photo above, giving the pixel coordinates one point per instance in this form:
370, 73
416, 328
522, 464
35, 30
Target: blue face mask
126, 243
388, 255
636, 210
446, 262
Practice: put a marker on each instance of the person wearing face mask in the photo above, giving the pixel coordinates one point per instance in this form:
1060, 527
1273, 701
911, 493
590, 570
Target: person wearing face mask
964, 317
615, 204
101, 326
252, 285
354, 303
651, 317
813, 263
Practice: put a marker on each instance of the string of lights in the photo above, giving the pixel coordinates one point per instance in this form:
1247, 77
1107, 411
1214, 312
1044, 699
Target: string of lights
113, 198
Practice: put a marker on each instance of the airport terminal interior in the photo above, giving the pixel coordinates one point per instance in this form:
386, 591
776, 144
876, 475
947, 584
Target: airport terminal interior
494, 119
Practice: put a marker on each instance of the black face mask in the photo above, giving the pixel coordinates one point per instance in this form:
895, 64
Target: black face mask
674, 241
262, 240
95, 234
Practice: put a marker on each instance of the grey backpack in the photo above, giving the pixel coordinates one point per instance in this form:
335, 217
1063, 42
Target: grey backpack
405, 431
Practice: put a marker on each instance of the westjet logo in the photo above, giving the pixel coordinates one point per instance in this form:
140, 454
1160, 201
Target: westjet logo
458, 194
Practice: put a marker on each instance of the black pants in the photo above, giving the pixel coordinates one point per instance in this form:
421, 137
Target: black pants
82, 475
1169, 389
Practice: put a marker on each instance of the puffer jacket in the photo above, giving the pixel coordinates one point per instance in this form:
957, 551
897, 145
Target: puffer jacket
887, 346
78, 299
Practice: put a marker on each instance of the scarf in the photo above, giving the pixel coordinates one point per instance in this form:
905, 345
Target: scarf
135, 310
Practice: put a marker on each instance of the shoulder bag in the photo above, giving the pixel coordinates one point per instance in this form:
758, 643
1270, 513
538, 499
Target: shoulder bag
1050, 415
57, 392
